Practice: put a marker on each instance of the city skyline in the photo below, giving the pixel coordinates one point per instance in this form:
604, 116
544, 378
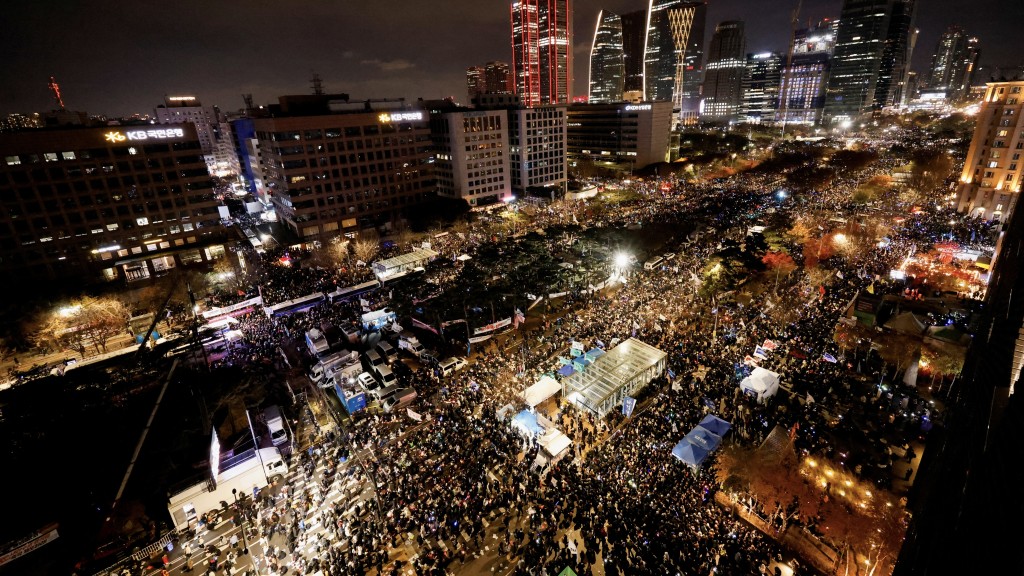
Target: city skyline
131, 63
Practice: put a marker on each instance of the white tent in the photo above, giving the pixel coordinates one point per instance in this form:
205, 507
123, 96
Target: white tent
545, 388
554, 442
761, 383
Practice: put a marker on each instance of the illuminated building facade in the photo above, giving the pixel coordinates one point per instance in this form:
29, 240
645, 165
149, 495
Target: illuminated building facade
804, 81
991, 179
211, 126
673, 53
117, 202
334, 166
623, 135
953, 64
542, 51
607, 60
471, 155
762, 80
476, 84
871, 58
723, 74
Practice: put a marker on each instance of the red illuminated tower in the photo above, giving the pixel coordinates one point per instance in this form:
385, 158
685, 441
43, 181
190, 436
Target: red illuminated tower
55, 88
542, 50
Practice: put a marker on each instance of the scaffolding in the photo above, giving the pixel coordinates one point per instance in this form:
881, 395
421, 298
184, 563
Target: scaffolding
623, 371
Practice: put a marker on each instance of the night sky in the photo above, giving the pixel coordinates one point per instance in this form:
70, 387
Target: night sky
118, 57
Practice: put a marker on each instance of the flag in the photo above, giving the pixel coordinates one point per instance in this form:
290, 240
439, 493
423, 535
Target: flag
750, 360
839, 273
760, 353
520, 318
871, 288
829, 358
821, 289
769, 345
810, 399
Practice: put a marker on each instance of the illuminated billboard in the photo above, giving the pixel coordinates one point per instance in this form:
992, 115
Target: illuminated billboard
400, 116
136, 135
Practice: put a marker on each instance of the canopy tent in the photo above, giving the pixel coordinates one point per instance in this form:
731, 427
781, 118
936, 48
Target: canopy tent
554, 442
545, 388
704, 438
689, 453
906, 323
526, 422
761, 383
620, 372
715, 425
594, 354
403, 263
566, 370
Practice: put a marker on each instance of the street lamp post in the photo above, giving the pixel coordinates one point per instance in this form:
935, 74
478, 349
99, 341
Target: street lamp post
245, 542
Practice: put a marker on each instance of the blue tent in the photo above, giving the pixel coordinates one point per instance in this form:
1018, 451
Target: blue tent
527, 422
566, 370
689, 453
594, 354
715, 425
703, 438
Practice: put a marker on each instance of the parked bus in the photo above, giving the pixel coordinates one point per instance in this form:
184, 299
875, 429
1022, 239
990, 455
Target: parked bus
295, 305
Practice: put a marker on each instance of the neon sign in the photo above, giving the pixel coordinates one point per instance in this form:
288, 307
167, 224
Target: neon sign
400, 116
150, 134
637, 107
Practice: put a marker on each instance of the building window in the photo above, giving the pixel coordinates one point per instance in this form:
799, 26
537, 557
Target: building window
50, 156
13, 160
143, 221
67, 155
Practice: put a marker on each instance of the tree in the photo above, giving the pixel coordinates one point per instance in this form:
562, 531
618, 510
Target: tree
366, 246
83, 322
943, 359
780, 263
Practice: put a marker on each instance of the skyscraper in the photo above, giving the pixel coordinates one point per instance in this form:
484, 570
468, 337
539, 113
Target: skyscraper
542, 50
498, 78
607, 59
805, 78
634, 32
492, 78
723, 75
475, 82
673, 52
211, 126
871, 57
953, 63
762, 80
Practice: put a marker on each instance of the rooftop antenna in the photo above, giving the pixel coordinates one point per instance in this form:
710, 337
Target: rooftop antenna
247, 98
55, 89
318, 84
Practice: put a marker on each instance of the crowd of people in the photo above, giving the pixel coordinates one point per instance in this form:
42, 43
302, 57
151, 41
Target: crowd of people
444, 485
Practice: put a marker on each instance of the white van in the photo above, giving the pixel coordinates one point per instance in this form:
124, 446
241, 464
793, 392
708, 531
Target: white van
451, 365
399, 399
276, 425
386, 376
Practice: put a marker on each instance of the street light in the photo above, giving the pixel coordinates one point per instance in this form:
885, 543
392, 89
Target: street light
621, 260
245, 542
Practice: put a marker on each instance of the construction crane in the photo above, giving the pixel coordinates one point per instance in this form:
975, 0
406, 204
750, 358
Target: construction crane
55, 89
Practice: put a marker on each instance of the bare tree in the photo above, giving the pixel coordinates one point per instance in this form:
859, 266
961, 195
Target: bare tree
366, 246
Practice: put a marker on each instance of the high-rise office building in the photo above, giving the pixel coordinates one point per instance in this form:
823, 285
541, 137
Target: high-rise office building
476, 83
991, 179
953, 63
471, 154
871, 57
211, 126
673, 52
762, 80
621, 135
536, 136
117, 202
492, 78
634, 32
607, 60
332, 165
805, 78
498, 78
542, 50
723, 74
